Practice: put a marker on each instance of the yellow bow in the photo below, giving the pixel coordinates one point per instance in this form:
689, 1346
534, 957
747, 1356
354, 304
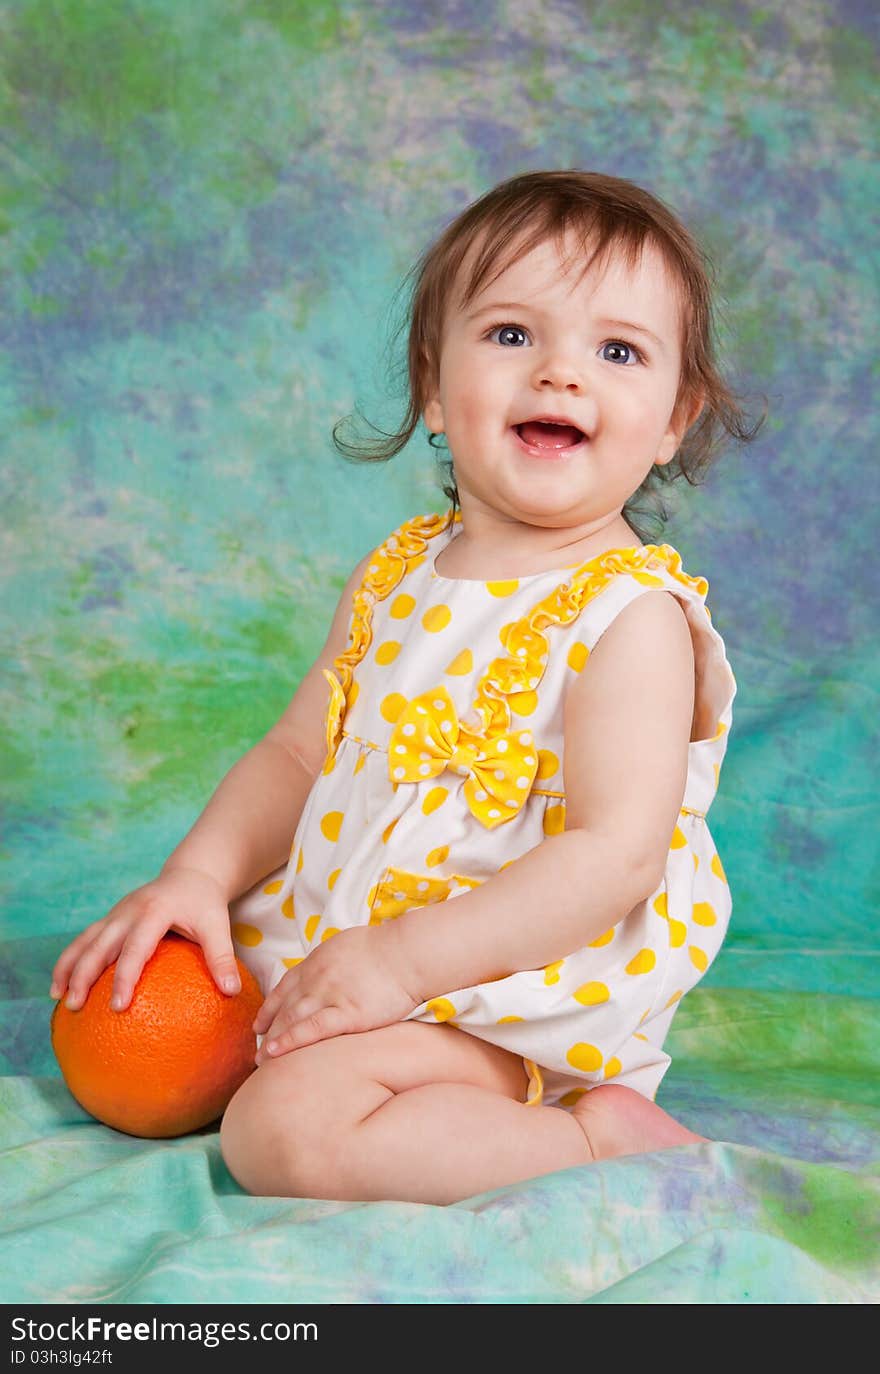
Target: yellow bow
428, 738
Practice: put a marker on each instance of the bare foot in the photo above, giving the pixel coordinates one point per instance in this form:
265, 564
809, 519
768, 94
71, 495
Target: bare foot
620, 1121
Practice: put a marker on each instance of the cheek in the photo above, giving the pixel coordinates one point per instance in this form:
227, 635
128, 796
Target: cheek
643, 412
474, 397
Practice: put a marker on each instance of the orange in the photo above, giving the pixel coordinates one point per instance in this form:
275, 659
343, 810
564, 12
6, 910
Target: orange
170, 1062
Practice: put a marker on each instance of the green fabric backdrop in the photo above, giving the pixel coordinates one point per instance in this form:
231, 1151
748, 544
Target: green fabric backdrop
205, 211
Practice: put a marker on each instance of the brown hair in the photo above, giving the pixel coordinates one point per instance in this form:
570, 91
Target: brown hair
610, 214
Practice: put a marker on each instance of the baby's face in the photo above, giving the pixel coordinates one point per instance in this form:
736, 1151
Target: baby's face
537, 343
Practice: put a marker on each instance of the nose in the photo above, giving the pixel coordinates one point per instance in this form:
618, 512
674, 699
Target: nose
559, 369
563, 370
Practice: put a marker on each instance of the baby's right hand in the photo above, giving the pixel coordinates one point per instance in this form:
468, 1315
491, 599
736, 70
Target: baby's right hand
182, 899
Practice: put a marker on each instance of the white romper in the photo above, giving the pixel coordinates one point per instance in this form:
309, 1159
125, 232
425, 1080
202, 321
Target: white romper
445, 763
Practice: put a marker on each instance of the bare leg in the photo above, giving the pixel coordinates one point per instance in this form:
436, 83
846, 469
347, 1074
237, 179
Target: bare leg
447, 1141
418, 1113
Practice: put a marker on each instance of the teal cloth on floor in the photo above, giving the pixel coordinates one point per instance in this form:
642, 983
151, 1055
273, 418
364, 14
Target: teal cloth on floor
783, 1206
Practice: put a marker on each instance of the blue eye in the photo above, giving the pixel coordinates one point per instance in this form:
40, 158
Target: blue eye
619, 344
506, 329
507, 338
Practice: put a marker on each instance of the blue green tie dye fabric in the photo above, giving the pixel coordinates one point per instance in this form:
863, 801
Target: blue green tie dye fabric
205, 213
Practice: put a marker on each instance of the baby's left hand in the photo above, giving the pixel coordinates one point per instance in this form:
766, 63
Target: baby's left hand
352, 982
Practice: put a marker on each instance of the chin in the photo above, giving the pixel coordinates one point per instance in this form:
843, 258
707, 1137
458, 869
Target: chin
544, 508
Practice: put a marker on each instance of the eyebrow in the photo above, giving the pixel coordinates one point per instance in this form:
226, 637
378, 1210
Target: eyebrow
618, 324
636, 329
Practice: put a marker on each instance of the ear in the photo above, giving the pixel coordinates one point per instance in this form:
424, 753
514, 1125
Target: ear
685, 414
433, 415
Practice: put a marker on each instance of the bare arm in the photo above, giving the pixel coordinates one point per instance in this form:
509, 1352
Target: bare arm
244, 832
627, 726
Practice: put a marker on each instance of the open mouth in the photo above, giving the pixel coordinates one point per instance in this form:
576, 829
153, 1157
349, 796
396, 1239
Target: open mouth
545, 437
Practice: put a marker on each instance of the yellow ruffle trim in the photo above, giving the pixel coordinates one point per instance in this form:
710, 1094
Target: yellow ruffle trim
386, 569
526, 643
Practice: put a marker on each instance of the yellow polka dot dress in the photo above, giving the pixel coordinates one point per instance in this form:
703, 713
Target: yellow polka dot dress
444, 764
